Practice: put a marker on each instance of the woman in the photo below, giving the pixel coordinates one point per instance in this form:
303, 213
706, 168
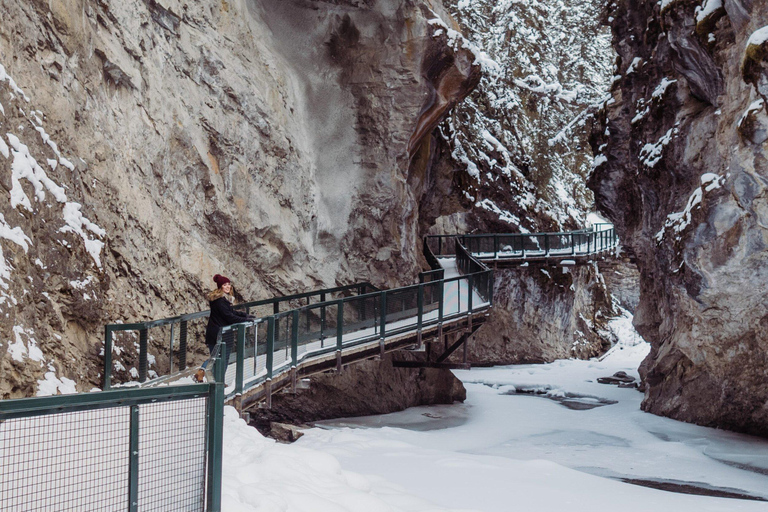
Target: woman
222, 314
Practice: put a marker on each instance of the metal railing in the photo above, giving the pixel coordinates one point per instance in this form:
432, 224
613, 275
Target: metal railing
149, 449
276, 341
266, 347
179, 332
520, 246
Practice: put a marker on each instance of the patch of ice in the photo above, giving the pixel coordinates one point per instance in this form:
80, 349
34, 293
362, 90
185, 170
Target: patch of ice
77, 223
504, 215
662, 87
678, 221
707, 8
15, 88
758, 37
651, 154
53, 385
635, 65
25, 166
754, 106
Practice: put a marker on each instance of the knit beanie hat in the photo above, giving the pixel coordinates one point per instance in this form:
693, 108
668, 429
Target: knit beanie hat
220, 280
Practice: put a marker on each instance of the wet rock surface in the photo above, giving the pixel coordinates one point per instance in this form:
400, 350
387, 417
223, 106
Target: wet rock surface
683, 176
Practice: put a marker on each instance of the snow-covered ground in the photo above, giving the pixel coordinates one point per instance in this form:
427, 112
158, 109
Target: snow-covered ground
503, 450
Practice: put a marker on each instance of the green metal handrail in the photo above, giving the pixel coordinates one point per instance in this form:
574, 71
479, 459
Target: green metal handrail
595, 240
427, 298
181, 323
469, 251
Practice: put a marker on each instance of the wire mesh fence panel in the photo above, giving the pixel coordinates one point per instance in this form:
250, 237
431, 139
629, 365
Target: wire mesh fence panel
283, 336
509, 244
191, 348
159, 352
361, 317
229, 338
260, 362
65, 462
250, 363
441, 245
172, 456
432, 293
402, 307
328, 337
313, 325
533, 243
481, 245
455, 296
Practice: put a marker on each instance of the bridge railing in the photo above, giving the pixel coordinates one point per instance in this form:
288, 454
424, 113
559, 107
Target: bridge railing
594, 240
269, 346
181, 336
128, 449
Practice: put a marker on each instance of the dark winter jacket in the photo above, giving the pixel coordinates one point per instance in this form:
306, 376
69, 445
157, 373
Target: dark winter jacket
222, 314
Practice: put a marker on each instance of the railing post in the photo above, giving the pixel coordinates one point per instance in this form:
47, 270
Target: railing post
546, 244
495, 246
216, 431
469, 295
295, 347
183, 346
239, 364
440, 303
489, 290
143, 355
322, 319
275, 307
573, 245
270, 345
133, 458
107, 357
383, 322
170, 350
295, 339
339, 332
420, 312
522, 246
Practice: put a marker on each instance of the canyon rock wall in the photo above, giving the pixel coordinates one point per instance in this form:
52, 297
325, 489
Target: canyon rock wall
683, 173
516, 150
542, 313
148, 144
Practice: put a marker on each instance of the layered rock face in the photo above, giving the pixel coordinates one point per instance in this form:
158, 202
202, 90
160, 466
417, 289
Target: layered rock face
542, 313
683, 175
148, 144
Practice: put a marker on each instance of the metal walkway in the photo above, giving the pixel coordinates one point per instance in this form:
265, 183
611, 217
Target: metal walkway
300, 335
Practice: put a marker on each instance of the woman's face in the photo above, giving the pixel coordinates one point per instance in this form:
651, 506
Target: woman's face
227, 287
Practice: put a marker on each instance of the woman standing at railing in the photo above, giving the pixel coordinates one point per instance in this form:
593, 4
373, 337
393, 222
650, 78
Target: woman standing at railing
222, 313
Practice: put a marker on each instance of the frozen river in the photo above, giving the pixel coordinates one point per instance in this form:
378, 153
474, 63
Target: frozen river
529, 438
